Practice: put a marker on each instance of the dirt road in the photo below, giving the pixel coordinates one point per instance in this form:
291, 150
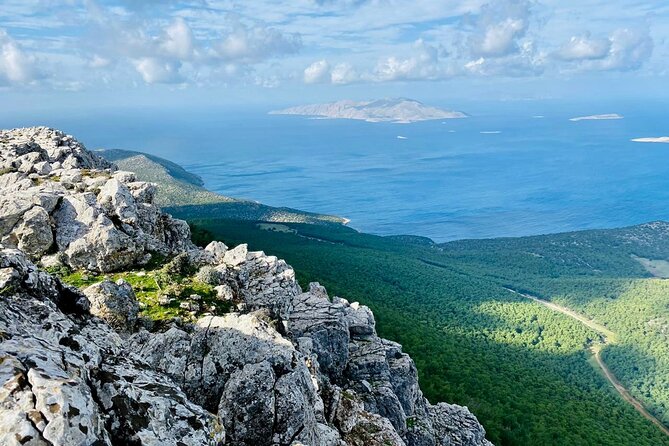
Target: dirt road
607, 337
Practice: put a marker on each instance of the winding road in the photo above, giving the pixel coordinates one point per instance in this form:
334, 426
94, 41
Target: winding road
606, 337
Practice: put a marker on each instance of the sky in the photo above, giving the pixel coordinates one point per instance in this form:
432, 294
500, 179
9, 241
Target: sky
293, 51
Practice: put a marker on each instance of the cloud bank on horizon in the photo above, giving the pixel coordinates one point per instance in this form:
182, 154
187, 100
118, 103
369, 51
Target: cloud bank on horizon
92, 44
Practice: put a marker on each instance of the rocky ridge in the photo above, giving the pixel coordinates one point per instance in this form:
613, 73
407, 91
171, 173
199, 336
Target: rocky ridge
84, 367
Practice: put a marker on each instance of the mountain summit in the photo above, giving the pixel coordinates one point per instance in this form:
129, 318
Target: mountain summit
397, 110
115, 329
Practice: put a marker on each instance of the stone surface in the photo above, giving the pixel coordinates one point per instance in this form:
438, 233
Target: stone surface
65, 380
115, 303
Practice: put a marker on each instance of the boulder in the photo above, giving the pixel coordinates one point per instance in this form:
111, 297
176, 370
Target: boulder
217, 251
35, 235
115, 303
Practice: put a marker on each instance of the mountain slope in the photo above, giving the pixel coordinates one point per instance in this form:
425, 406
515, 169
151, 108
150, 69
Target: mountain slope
179, 188
249, 359
522, 369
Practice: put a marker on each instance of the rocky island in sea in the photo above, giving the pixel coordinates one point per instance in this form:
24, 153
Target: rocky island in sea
603, 117
115, 329
396, 110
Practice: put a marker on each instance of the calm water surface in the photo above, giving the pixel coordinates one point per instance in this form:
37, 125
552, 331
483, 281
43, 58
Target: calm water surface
446, 180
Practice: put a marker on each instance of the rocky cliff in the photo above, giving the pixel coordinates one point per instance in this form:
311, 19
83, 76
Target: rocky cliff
263, 363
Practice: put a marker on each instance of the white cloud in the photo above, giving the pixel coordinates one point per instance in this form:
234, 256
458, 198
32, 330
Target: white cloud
222, 42
98, 61
174, 52
625, 49
317, 72
423, 64
178, 40
16, 67
629, 49
321, 71
498, 27
583, 48
526, 62
344, 73
252, 44
155, 71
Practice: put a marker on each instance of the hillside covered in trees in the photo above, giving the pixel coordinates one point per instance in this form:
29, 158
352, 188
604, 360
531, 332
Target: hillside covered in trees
527, 372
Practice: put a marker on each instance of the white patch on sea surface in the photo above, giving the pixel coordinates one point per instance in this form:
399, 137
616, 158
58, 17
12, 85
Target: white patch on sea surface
401, 137
490, 132
659, 139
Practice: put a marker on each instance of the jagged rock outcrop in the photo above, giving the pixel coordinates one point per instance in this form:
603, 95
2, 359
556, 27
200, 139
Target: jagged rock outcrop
55, 196
287, 367
65, 378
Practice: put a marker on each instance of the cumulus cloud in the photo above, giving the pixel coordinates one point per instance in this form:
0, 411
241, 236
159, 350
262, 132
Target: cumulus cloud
322, 72
629, 49
317, 72
251, 44
584, 48
526, 62
155, 70
498, 27
173, 52
178, 40
16, 67
625, 49
423, 64
344, 73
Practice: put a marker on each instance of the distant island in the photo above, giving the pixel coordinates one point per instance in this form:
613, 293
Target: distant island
397, 110
660, 139
598, 117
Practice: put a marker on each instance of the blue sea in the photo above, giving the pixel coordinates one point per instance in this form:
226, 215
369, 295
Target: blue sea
511, 169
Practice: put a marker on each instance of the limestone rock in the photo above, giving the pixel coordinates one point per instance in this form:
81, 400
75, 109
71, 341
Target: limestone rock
55, 189
455, 425
35, 235
315, 317
217, 251
65, 380
114, 302
236, 255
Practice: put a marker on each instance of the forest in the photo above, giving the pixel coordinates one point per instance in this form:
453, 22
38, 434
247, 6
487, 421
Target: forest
524, 370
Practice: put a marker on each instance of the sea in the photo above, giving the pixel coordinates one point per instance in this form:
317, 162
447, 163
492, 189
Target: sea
512, 168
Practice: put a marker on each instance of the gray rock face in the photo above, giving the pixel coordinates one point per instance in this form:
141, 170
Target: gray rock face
455, 425
59, 197
242, 368
315, 317
290, 367
64, 379
115, 303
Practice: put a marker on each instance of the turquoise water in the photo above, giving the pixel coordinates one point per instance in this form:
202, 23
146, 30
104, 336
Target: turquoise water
446, 180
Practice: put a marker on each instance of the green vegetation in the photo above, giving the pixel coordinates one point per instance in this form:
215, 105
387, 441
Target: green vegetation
177, 186
173, 170
160, 288
524, 370
181, 188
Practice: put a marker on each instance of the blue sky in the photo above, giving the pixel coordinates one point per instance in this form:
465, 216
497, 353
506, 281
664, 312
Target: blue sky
311, 50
